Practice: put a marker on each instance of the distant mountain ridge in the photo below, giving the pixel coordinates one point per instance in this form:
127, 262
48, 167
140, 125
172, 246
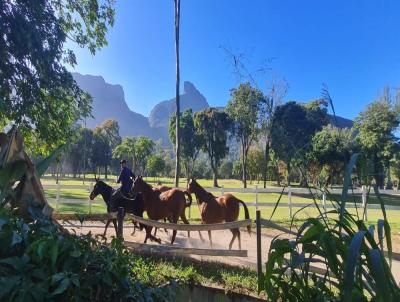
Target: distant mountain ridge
109, 103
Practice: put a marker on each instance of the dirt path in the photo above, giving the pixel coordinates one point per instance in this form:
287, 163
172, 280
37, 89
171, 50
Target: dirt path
220, 239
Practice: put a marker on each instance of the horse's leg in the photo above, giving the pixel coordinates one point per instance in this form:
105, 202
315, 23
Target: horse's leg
106, 227
209, 237
185, 221
174, 220
240, 242
201, 236
165, 230
155, 232
148, 233
234, 234
115, 226
134, 227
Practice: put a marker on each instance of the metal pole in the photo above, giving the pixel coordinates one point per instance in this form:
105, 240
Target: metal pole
290, 201
222, 190
259, 258
324, 202
120, 222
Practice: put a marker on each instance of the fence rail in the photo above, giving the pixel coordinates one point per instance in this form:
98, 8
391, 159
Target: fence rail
290, 192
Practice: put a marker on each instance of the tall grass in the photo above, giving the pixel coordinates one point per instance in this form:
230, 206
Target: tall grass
350, 252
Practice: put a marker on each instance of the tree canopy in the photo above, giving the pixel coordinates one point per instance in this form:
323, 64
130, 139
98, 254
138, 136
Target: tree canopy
37, 93
293, 127
190, 140
244, 111
212, 125
376, 126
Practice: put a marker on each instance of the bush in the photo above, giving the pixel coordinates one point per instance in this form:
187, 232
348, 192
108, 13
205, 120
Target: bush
38, 263
344, 245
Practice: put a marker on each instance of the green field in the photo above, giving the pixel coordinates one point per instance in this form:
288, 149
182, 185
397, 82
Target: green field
281, 215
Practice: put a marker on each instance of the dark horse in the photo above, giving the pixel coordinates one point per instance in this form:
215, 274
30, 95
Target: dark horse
218, 209
170, 204
133, 206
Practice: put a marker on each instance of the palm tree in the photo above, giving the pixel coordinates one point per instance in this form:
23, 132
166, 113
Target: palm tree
177, 124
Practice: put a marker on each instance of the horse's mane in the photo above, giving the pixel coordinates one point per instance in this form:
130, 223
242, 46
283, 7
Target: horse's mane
203, 191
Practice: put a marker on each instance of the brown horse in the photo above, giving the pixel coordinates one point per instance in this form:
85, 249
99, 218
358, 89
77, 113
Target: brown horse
218, 209
170, 204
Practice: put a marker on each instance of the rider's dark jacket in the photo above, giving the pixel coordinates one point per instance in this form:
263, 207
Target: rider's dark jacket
126, 180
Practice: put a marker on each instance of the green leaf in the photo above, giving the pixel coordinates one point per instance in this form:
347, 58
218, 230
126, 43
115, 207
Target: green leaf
44, 164
7, 284
351, 263
54, 252
388, 241
62, 287
347, 182
379, 275
310, 235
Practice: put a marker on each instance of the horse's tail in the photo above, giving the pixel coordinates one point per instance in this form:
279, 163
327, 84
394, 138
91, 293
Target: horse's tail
246, 214
189, 203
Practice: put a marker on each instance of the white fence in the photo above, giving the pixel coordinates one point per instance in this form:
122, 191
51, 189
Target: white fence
288, 191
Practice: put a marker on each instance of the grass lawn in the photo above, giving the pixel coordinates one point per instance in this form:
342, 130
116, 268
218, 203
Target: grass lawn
281, 215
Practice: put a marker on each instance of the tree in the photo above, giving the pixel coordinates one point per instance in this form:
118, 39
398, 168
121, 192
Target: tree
212, 126
105, 137
177, 6
255, 163
144, 148
139, 149
293, 126
244, 110
37, 92
226, 169
155, 165
333, 147
81, 144
127, 151
376, 126
190, 140
274, 99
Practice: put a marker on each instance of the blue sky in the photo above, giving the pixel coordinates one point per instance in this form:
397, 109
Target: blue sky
352, 46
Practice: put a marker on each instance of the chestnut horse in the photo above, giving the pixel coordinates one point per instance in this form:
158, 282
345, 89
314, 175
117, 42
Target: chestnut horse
218, 209
134, 206
170, 204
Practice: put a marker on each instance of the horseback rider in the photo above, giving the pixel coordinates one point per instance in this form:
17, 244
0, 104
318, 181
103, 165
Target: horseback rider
126, 177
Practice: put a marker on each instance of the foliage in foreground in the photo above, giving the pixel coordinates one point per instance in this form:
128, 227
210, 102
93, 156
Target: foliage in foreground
38, 263
344, 245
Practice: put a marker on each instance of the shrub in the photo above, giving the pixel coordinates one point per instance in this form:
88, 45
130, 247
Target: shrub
345, 246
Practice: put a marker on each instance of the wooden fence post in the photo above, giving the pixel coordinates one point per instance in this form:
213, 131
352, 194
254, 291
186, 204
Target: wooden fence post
256, 199
290, 201
259, 258
364, 202
120, 222
57, 197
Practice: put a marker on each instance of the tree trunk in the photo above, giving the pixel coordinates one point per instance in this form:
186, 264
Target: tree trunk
215, 174
266, 155
106, 172
177, 122
215, 178
288, 172
244, 168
